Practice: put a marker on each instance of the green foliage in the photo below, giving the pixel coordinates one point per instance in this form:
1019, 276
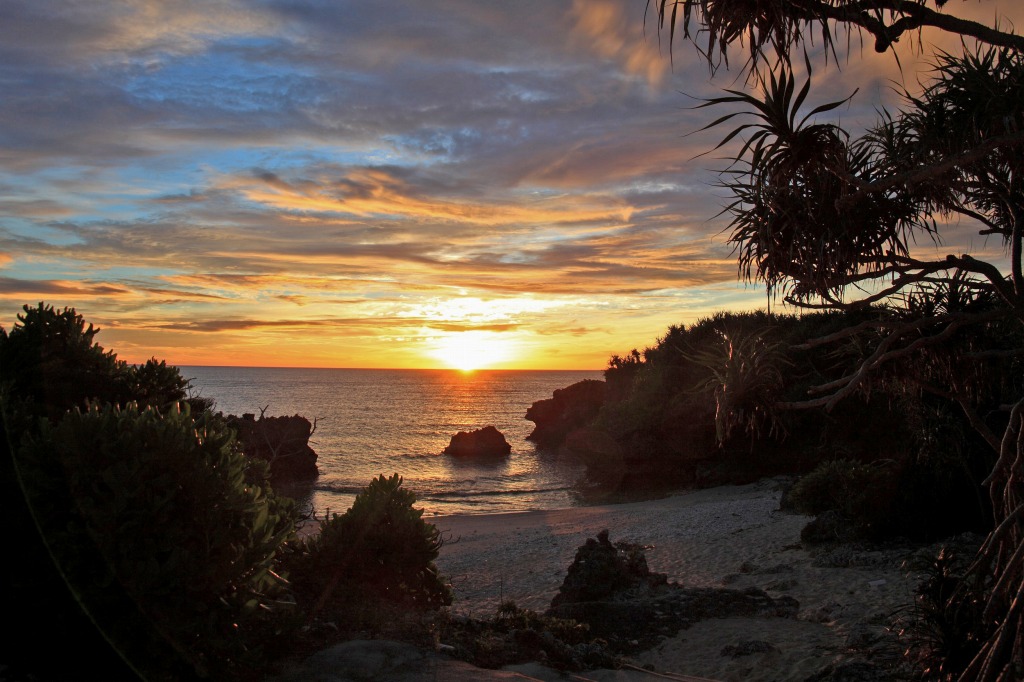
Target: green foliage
166, 533
153, 383
841, 485
51, 363
942, 626
852, 499
711, 399
917, 497
746, 380
713, 388
380, 549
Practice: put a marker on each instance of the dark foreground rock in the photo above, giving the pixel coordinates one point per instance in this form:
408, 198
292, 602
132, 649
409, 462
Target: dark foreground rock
485, 442
610, 588
568, 409
283, 442
359, 661
854, 670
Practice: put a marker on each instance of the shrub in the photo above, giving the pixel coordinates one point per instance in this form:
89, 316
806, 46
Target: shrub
941, 628
166, 533
380, 549
862, 495
923, 498
50, 363
835, 485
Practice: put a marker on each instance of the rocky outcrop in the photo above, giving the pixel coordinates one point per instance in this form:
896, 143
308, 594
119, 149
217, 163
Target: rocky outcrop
485, 442
283, 442
610, 588
362, 660
601, 570
596, 448
568, 409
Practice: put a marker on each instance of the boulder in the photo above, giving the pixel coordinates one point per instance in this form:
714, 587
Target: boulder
568, 409
283, 442
485, 442
602, 569
610, 589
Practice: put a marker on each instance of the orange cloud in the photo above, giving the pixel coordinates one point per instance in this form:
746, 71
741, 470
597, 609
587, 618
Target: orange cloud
366, 192
605, 27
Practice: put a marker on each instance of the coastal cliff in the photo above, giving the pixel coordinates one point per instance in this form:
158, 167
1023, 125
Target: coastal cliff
568, 409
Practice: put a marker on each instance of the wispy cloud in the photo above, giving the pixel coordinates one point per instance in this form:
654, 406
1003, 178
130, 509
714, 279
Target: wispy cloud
351, 183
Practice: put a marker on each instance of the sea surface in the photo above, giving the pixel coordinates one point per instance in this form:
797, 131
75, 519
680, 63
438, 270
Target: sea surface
372, 421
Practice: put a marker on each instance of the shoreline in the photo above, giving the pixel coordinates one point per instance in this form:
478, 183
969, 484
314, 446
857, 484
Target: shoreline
729, 536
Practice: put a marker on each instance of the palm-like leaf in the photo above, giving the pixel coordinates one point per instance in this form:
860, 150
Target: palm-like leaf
760, 24
790, 225
816, 212
744, 379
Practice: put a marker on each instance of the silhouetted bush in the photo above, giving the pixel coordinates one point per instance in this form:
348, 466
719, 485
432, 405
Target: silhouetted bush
700, 405
839, 485
913, 498
942, 627
166, 533
380, 549
712, 403
860, 497
50, 363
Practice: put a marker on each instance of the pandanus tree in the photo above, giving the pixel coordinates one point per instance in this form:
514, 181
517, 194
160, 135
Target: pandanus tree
829, 218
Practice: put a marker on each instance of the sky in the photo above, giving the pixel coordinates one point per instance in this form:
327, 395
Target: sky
322, 183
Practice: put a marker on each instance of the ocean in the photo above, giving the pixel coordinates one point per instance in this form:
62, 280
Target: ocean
374, 421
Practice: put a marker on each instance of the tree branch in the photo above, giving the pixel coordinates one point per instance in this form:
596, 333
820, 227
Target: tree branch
781, 25
912, 16
1015, 251
918, 175
844, 386
991, 273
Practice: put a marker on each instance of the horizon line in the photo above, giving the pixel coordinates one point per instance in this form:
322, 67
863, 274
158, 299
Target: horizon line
392, 369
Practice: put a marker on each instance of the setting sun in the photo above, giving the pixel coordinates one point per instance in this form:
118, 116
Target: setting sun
473, 350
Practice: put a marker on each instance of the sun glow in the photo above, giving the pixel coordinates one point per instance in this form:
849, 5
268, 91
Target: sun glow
473, 350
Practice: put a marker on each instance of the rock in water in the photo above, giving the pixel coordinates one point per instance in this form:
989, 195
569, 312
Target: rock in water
281, 441
485, 442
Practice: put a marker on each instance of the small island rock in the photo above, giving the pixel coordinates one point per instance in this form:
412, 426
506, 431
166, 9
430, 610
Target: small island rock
485, 442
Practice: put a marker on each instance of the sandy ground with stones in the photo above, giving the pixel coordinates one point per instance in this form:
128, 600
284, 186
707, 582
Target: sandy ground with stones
732, 536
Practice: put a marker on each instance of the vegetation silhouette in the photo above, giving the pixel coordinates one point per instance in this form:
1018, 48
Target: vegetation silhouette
826, 218
148, 544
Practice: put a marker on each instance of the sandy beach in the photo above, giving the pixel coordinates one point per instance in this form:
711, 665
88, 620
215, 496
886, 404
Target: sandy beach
732, 536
